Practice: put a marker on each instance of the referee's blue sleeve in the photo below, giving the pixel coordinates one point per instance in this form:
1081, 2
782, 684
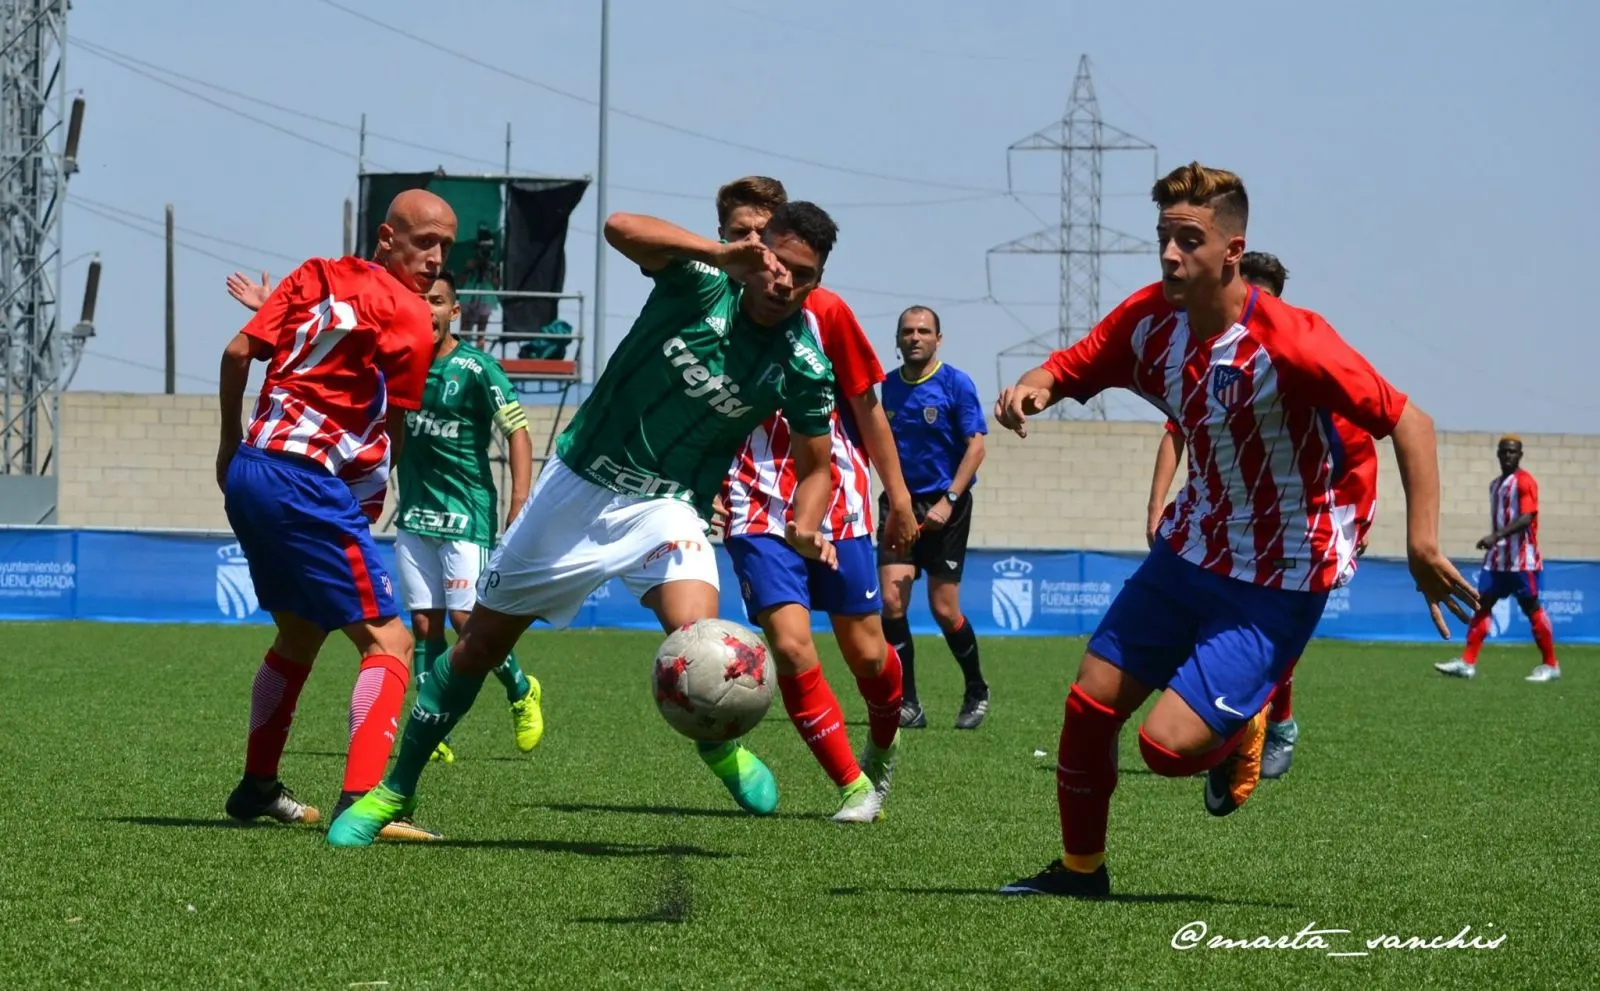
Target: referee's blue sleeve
973, 421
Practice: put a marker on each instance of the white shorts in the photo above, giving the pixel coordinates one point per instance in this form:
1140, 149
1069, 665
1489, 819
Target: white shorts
436, 573
572, 536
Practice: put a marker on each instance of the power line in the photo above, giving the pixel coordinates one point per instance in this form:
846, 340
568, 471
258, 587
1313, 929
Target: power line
884, 45
113, 218
664, 125
147, 367
187, 230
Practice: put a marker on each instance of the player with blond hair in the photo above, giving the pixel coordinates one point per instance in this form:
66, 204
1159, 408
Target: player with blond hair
1234, 589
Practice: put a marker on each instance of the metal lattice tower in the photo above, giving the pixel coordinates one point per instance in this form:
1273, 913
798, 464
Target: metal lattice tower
33, 179
1082, 139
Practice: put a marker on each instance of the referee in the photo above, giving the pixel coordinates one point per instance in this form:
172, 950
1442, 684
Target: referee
938, 426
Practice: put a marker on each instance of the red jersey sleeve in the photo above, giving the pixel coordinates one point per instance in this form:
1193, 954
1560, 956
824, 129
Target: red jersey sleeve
855, 363
268, 323
1103, 360
1317, 368
1173, 428
405, 350
1527, 493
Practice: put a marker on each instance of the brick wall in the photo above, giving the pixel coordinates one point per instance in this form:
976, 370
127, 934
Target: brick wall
146, 460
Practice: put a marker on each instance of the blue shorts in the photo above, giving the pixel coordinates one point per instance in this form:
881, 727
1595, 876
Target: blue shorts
309, 546
1220, 643
771, 573
1520, 585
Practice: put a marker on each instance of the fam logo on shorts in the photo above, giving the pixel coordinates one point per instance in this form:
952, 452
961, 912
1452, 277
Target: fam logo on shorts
1011, 593
236, 593
682, 548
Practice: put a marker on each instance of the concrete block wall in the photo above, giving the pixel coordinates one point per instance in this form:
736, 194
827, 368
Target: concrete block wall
148, 460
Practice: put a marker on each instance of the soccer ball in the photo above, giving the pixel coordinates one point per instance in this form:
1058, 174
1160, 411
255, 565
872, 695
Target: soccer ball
713, 680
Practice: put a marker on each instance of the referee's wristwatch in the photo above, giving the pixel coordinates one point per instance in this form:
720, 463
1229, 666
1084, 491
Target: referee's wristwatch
952, 497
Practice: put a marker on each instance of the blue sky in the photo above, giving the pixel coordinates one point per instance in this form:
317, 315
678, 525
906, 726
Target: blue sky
1418, 166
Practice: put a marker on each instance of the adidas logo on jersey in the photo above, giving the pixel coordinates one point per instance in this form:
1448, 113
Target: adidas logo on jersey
719, 391
430, 425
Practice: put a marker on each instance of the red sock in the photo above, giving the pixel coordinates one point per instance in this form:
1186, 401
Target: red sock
1477, 630
374, 720
1171, 764
1282, 709
1544, 635
272, 701
883, 695
815, 712
1086, 775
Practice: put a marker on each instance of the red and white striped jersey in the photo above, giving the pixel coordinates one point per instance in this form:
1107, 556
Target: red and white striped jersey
1509, 497
1254, 405
760, 490
1355, 490
347, 339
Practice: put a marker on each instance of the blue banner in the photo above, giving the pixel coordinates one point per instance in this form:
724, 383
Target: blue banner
136, 577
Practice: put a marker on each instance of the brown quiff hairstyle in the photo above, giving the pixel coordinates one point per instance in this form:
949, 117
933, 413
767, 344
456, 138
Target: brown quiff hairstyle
1197, 185
753, 190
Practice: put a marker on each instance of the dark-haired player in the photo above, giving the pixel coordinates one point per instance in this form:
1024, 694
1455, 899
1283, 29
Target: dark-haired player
1235, 588
719, 346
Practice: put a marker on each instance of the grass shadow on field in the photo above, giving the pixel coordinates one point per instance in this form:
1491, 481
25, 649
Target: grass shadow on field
175, 822
583, 808
1160, 898
586, 849
672, 901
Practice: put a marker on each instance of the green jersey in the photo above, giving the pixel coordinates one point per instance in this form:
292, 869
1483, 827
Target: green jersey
691, 380
446, 484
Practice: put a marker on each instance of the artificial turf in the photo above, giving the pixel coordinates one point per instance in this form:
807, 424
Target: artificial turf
1418, 805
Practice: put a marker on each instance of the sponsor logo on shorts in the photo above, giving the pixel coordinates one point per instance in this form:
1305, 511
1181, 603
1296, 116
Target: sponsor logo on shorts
457, 584
236, 593
1011, 593
670, 547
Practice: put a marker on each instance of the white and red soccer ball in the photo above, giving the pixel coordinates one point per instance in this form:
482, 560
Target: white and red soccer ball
713, 680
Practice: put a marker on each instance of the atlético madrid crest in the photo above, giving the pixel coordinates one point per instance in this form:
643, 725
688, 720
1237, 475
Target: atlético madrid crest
1227, 384
930, 414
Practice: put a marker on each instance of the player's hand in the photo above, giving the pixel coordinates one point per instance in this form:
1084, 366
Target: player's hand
900, 530
937, 516
1440, 583
1152, 529
745, 259
225, 452
719, 512
249, 293
1018, 403
1486, 543
1361, 549
513, 509
812, 544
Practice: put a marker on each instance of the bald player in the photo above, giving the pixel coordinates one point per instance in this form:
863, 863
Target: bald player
347, 344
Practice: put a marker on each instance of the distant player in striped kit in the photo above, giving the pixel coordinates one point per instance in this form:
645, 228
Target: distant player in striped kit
347, 344
1355, 497
1234, 590
780, 587
1511, 565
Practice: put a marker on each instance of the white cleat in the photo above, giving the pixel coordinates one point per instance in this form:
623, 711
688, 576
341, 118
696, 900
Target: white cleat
1457, 668
1545, 672
878, 765
861, 804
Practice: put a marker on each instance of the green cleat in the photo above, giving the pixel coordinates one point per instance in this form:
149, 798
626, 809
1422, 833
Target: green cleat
360, 824
747, 779
527, 718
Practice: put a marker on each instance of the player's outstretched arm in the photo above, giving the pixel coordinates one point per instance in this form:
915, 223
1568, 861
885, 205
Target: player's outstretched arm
876, 436
1033, 394
652, 244
1416, 451
1161, 483
813, 468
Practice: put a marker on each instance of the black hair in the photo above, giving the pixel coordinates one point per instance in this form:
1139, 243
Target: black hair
808, 222
1258, 266
919, 308
448, 277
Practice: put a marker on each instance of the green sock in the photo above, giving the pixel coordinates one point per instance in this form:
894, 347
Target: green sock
511, 676
444, 698
432, 650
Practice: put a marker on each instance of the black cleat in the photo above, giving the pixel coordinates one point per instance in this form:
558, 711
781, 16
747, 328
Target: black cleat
1056, 879
912, 716
257, 799
973, 709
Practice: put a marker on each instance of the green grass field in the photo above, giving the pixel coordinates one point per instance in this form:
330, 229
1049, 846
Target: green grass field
609, 857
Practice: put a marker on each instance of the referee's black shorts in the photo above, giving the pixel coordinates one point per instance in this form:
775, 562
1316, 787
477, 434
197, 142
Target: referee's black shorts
941, 553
